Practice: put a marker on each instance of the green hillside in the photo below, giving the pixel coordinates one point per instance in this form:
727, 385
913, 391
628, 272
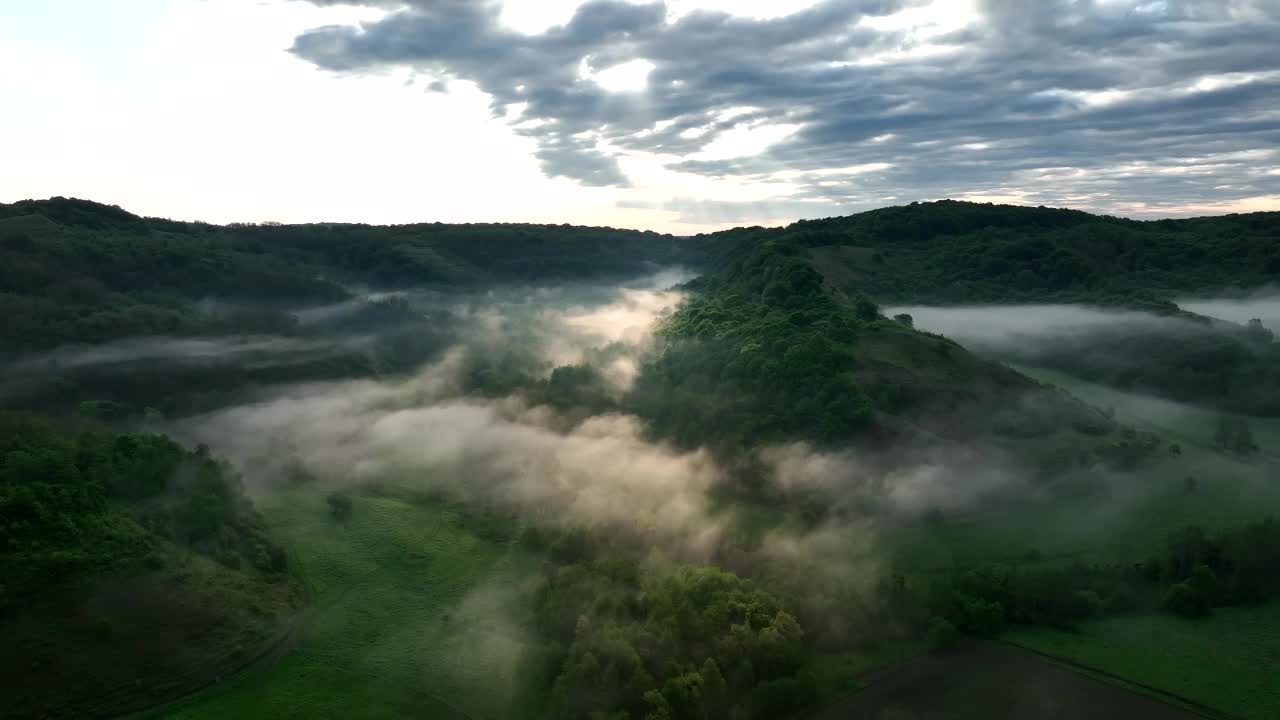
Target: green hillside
767, 350
90, 273
133, 570
941, 492
952, 252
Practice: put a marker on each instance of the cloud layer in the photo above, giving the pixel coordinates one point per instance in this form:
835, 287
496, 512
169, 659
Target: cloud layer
1117, 105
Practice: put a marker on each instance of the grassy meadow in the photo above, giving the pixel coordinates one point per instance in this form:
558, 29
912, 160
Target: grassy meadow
1226, 662
412, 612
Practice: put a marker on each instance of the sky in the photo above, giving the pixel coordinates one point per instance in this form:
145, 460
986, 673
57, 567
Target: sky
686, 116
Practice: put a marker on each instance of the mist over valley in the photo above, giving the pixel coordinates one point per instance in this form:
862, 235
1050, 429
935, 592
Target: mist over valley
640, 360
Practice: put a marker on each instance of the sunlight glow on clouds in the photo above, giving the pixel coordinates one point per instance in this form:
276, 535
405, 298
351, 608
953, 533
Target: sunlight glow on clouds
632, 113
745, 140
630, 76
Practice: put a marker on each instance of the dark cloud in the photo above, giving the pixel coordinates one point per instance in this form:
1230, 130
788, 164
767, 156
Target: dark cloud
1106, 105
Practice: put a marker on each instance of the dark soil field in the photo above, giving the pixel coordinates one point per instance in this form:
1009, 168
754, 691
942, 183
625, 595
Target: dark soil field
983, 681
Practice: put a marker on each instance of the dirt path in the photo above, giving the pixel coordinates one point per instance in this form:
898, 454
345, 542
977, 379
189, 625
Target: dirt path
991, 681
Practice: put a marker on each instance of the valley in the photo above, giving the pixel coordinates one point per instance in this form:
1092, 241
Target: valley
541, 471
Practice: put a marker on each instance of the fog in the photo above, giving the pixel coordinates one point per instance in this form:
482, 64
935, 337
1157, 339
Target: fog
1263, 306
951, 479
994, 327
1182, 356
126, 355
420, 434
429, 431
1010, 327
606, 326
317, 315
427, 427
825, 529
375, 332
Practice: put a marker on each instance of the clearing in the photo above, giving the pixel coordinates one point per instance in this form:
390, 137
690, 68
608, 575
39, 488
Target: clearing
1227, 662
414, 613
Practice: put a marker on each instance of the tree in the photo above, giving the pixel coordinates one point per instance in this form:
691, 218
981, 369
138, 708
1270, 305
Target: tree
340, 506
1258, 332
1205, 582
866, 310
942, 633
1234, 435
1183, 599
1190, 548
905, 319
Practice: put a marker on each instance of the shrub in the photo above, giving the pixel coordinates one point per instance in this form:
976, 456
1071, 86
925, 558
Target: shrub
1183, 599
340, 506
942, 633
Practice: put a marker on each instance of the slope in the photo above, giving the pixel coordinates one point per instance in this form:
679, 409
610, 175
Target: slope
766, 350
133, 570
77, 271
958, 252
952, 253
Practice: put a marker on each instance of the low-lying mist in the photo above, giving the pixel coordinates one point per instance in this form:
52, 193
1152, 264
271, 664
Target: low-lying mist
1217, 353
127, 355
375, 333
1264, 306
459, 394
449, 428
1006, 327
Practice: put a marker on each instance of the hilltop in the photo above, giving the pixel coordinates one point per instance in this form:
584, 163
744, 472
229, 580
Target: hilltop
766, 349
958, 252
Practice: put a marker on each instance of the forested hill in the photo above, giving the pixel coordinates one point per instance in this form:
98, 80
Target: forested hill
958, 252
79, 271
955, 253
74, 271
132, 570
765, 350
388, 254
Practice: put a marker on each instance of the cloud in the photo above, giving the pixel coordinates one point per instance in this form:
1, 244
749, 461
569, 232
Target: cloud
542, 73
950, 479
130, 354
425, 430
729, 212
425, 434
1116, 105
1263, 305
1194, 358
421, 433
1000, 327
611, 327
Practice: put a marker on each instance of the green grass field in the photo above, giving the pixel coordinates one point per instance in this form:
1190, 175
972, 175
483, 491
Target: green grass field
412, 614
1125, 516
1227, 662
